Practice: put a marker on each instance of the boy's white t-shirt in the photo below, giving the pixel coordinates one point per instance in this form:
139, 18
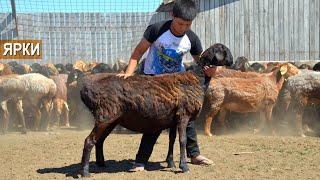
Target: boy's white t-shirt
166, 51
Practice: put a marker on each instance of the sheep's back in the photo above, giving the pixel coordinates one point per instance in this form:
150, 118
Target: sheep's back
250, 91
38, 85
307, 84
149, 96
11, 86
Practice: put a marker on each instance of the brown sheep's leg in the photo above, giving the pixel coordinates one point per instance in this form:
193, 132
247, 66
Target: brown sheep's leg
37, 117
222, 117
55, 114
4, 115
21, 116
172, 138
97, 134
65, 114
99, 145
207, 126
182, 126
47, 106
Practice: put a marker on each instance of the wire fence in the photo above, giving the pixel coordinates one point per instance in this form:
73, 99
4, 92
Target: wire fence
97, 30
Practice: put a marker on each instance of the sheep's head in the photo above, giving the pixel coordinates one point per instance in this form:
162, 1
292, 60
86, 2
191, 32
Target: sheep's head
242, 64
27, 68
101, 68
257, 67
92, 64
74, 75
305, 66
61, 68
53, 71
316, 67
288, 70
81, 65
217, 54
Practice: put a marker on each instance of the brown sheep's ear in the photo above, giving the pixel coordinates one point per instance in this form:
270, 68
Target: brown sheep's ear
283, 70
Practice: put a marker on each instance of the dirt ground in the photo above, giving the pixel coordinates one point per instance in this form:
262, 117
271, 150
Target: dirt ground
57, 154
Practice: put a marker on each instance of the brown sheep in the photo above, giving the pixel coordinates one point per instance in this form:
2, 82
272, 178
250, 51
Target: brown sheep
60, 109
245, 95
160, 102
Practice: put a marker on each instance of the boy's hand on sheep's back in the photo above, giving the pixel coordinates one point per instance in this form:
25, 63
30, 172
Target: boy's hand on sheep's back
209, 70
124, 75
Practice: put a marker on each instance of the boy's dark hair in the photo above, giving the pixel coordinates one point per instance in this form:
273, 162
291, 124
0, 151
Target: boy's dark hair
185, 9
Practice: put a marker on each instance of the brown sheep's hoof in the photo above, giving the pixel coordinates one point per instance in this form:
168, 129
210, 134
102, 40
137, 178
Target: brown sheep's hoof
303, 135
208, 134
83, 173
184, 168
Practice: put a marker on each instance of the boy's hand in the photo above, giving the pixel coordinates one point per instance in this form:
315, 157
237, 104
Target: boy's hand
124, 75
210, 70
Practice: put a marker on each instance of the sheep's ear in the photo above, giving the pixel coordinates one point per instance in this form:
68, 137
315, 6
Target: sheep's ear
283, 70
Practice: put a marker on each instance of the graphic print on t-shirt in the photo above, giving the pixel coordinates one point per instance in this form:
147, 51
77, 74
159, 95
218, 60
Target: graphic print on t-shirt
167, 60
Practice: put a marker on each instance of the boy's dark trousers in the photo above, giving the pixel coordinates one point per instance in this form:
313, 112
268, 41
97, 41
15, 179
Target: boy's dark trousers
148, 141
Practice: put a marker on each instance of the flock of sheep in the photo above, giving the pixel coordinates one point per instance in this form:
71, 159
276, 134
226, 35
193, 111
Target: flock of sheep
40, 96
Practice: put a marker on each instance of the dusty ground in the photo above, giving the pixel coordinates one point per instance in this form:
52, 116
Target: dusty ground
56, 155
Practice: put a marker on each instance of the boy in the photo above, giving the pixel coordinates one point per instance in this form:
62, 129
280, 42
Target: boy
168, 42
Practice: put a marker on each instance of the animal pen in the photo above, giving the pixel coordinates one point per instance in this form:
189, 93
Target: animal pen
107, 31
73, 87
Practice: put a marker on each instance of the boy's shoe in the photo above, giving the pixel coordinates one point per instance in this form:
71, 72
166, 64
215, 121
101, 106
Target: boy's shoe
137, 167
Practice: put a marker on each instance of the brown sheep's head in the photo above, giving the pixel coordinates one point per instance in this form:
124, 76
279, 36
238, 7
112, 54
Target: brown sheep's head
27, 68
5, 69
288, 70
81, 65
52, 69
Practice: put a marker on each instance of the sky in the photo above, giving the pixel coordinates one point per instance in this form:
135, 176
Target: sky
27, 6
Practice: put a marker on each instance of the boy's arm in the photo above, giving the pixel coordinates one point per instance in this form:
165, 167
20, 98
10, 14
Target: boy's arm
140, 49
